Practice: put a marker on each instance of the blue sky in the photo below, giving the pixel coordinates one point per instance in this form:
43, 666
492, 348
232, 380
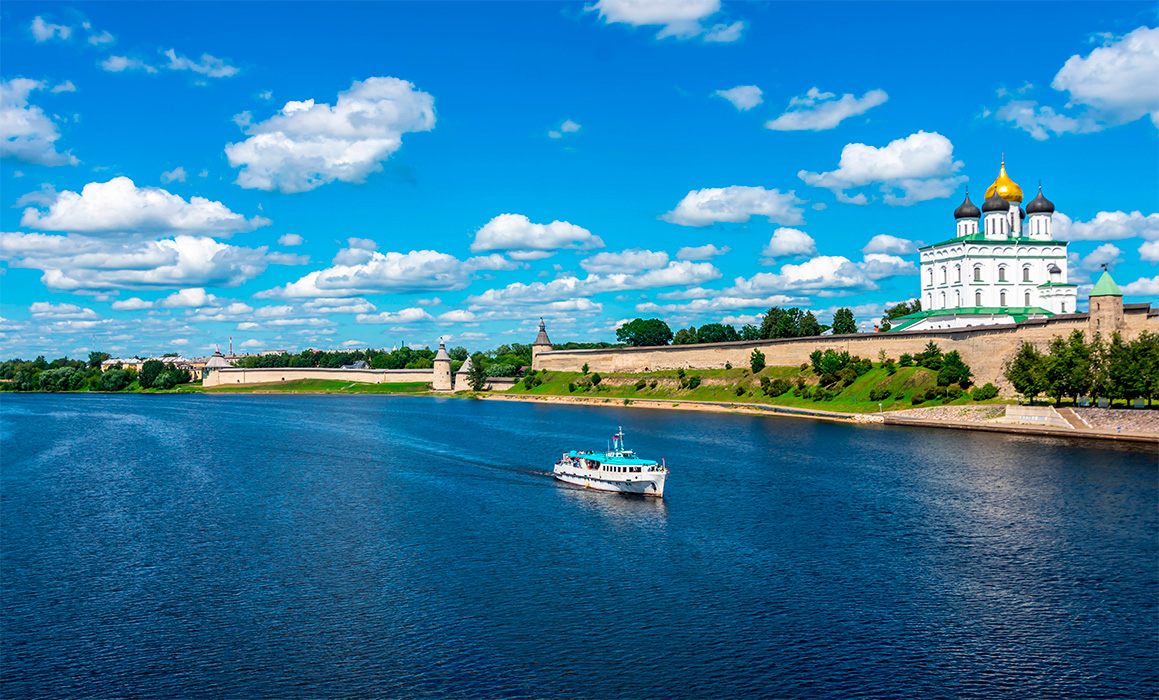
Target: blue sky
349, 175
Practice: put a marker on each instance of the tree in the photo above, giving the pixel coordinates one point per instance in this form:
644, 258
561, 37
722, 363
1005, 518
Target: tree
114, 380
757, 360
897, 311
1081, 366
149, 373
809, 326
1056, 369
685, 336
458, 353
843, 322
642, 332
477, 374
1024, 371
789, 323
716, 333
1145, 352
750, 332
96, 357
596, 379
954, 371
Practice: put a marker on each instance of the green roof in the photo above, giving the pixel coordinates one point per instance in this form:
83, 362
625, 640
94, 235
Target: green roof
1106, 287
1056, 284
1019, 313
981, 238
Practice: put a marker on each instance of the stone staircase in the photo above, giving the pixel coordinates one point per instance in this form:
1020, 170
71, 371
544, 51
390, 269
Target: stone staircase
1075, 420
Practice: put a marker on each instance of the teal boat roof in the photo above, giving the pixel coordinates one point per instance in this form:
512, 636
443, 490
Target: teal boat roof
605, 458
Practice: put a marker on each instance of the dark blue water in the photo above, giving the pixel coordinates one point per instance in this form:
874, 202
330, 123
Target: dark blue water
323, 546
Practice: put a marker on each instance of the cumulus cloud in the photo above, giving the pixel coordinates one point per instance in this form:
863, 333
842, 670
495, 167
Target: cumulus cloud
568, 127
307, 145
208, 66
1107, 226
703, 252
42, 310
66, 86
523, 240
681, 273
818, 111
682, 19
43, 31
388, 272
175, 175
1116, 83
743, 97
628, 261
1149, 251
119, 64
356, 305
788, 243
1142, 287
411, 315
736, 204
891, 245
291, 239
921, 165
29, 135
119, 206
1107, 254
825, 275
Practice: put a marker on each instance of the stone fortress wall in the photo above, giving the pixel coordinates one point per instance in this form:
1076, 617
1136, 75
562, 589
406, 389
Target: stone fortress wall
235, 375
985, 349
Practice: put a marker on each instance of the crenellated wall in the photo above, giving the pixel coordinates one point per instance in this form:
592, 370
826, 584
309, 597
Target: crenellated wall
234, 375
984, 348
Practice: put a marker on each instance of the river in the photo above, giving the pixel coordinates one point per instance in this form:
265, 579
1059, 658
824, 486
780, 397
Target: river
394, 546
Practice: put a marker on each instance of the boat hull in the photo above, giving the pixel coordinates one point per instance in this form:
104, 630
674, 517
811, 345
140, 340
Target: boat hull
653, 485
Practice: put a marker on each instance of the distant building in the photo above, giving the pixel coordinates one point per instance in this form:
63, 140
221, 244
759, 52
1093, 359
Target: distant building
215, 362
1003, 265
541, 344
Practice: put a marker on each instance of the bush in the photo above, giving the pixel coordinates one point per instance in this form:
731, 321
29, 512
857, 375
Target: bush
653, 384
956, 392
641, 384
899, 395
890, 367
879, 394
823, 395
757, 361
693, 382
848, 376
585, 368
740, 391
828, 379
680, 373
804, 366
778, 387
985, 392
728, 365
571, 386
918, 398
906, 360
596, 379
114, 380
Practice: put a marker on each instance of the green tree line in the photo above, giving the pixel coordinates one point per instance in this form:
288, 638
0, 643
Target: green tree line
776, 323
1073, 367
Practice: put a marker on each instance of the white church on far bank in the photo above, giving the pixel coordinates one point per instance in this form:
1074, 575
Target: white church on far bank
1001, 267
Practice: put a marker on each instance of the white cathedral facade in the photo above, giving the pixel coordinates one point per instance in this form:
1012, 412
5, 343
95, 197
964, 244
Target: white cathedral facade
1002, 266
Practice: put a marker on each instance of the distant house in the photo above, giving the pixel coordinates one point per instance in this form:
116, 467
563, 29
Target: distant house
360, 364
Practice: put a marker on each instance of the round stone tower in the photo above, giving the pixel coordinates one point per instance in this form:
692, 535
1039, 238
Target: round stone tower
442, 379
541, 344
1106, 315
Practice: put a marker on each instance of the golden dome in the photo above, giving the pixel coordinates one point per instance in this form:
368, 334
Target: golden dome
1005, 187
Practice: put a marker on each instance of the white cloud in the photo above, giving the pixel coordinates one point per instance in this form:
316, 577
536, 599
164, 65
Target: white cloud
824, 272
1106, 226
132, 304
291, 239
921, 165
307, 145
704, 252
1149, 251
1107, 254
567, 127
357, 305
789, 242
66, 86
736, 204
43, 31
209, 66
1116, 83
818, 111
43, 310
193, 297
892, 245
457, 316
388, 272
119, 64
674, 274
265, 95
176, 174
99, 38
743, 97
411, 315
79, 263
678, 18
119, 206
1142, 287
524, 240
29, 135
628, 261
879, 266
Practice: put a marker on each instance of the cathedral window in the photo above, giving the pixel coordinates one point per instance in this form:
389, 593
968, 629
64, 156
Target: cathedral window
1027, 304
943, 274
958, 271
978, 298
1002, 274
931, 277
1064, 307
1002, 298
943, 300
1026, 274
977, 274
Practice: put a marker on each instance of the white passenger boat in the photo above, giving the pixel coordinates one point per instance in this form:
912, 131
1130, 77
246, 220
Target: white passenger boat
618, 470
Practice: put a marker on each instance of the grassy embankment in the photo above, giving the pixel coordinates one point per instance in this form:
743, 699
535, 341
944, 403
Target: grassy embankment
723, 385
314, 386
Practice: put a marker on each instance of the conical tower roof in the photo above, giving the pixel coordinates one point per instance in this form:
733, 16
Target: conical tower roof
1106, 287
442, 353
466, 368
541, 339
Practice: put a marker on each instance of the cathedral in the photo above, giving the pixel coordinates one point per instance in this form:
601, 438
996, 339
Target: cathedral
1001, 267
